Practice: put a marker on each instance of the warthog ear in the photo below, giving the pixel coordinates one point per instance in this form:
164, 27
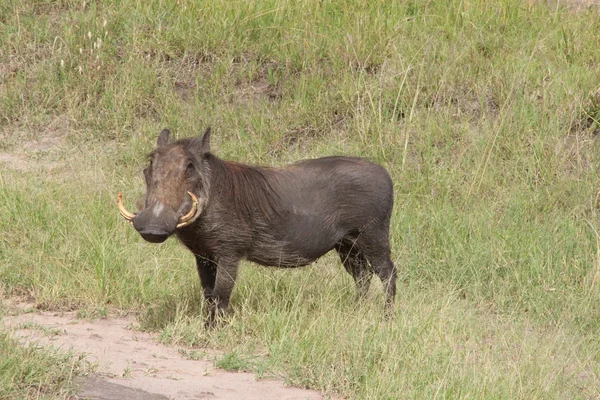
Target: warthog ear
205, 142
163, 138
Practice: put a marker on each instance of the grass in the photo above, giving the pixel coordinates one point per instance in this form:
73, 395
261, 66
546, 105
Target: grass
485, 113
33, 372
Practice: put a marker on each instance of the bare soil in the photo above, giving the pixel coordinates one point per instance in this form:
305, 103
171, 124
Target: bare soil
26, 149
133, 365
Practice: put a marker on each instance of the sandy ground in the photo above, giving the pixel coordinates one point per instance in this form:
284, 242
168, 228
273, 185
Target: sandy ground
132, 365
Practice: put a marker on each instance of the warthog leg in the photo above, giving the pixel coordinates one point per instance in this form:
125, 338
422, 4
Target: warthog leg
356, 264
373, 245
386, 270
226, 273
207, 270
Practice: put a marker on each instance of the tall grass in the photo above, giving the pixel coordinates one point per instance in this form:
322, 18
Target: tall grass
485, 113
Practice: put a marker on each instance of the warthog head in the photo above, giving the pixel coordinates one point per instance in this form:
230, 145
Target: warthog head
176, 192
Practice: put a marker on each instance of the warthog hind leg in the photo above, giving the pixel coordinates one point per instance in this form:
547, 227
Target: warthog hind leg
357, 265
374, 246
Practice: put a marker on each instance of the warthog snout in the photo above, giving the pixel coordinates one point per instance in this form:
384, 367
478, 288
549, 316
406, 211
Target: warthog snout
156, 223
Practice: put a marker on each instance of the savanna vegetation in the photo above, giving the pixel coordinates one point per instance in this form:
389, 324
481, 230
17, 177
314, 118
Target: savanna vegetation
485, 114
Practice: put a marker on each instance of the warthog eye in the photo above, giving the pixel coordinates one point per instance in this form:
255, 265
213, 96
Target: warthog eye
190, 168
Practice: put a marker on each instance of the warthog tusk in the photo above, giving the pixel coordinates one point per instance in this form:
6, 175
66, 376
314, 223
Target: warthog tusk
185, 220
194, 213
126, 214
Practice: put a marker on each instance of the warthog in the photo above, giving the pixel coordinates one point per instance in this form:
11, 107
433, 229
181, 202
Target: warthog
224, 212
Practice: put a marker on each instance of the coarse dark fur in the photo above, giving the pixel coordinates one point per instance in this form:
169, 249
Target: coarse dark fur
281, 217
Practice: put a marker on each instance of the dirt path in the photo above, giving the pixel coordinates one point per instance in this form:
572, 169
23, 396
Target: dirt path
132, 365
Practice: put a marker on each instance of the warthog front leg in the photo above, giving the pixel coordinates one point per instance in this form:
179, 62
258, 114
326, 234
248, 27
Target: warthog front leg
225, 279
207, 270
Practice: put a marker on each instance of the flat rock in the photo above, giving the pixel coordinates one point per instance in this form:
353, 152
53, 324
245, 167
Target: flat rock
95, 388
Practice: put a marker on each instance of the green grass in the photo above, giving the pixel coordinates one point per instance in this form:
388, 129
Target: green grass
485, 113
34, 372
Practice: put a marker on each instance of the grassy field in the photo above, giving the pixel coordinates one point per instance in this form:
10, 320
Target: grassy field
485, 113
